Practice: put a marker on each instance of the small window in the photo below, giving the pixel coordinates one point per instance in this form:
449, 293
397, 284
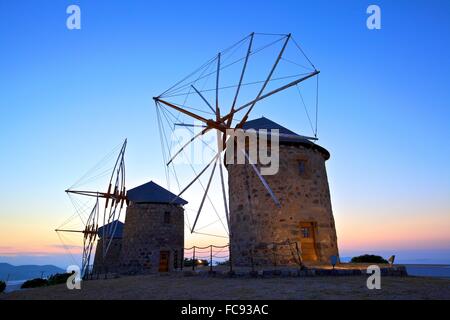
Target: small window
167, 217
306, 232
301, 167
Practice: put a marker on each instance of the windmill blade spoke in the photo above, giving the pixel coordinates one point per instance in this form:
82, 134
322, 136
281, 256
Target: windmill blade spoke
191, 114
186, 144
244, 84
217, 87
198, 176
87, 251
112, 227
262, 179
189, 125
225, 202
109, 216
221, 147
225, 66
264, 96
267, 80
92, 215
119, 159
233, 105
206, 64
203, 98
241, 78
204, 196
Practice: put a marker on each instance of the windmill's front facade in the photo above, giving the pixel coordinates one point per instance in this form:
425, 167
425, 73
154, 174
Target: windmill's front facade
262, 233
153, 235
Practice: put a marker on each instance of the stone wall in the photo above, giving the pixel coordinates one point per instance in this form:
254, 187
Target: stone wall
146, 234
111, 261
257, 223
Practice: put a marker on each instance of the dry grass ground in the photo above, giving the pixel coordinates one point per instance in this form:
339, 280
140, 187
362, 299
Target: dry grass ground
179, 287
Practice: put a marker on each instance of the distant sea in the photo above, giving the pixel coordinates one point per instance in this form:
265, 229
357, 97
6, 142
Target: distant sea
13, 285
430, 270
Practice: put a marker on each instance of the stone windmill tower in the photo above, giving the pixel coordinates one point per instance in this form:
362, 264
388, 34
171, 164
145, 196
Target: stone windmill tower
305, 215
153, 235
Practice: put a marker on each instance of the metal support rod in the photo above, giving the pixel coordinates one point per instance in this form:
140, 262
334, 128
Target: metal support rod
193, 259
300, 259
189, 125
186, 144
264, 96
74, 231
193, 115
244, 119
230, 120
249, 50
263, 180
220, 148
182, 259
196, 178
210, 259
104, 195
217, 88
274, 256
225, 202
230, 260
204, 197
203, 98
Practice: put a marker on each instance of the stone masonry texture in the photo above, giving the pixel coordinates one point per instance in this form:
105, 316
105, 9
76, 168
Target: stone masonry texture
147, 232
256, 223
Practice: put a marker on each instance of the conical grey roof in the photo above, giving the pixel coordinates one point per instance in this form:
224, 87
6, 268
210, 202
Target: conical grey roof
150, 192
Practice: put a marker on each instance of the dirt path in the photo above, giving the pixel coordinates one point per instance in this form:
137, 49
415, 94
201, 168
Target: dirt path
179, 287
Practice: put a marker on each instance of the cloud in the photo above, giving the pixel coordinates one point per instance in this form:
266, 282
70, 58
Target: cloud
60, 246
52, 249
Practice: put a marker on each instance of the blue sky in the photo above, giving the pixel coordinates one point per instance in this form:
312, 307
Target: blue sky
68, 97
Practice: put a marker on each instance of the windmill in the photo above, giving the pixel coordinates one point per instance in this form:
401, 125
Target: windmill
114, 198
191, 104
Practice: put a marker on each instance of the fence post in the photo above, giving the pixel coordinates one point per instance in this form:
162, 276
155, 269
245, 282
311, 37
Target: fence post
230, 260
210, 259
193, 259
275, 256
182, 260
299, 256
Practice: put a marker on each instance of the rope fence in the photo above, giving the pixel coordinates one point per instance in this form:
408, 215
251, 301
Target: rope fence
275, 254
216, 257
205, 256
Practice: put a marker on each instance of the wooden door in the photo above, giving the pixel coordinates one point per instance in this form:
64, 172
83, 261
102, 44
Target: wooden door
307, 241
164, 261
